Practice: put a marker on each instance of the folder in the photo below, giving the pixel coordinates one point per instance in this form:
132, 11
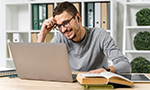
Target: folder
104, 15
98, 14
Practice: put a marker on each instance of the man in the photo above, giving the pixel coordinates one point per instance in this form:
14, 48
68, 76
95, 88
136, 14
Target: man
87, 47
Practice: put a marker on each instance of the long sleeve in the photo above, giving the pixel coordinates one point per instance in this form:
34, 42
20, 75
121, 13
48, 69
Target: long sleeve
110, 49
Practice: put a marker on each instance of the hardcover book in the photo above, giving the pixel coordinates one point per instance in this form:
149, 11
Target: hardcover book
7, 72
102, 79
97, 87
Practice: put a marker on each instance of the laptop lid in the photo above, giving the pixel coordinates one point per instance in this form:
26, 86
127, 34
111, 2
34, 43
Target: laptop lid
41, 61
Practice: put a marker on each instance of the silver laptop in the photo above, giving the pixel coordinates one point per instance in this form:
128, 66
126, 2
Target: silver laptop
41, 61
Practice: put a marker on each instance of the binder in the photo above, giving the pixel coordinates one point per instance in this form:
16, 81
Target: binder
34, 37
42, 14
50, 9
78, 7
48, 38
35, 17
40, 17
108, 16
16, 37
90, 15
104, 15
98, 14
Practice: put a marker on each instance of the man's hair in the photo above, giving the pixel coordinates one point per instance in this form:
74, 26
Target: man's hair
65, 6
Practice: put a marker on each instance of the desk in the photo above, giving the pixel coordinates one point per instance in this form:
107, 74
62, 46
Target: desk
22, 84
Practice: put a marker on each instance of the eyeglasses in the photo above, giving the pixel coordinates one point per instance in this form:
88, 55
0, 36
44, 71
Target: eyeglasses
64, 24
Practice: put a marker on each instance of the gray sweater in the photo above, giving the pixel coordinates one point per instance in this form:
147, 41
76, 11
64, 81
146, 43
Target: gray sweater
92, 52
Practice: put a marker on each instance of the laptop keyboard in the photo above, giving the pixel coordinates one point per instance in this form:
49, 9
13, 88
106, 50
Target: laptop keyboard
74, 77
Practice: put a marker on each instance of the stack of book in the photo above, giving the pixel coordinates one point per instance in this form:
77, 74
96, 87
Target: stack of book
7, 72
104, 80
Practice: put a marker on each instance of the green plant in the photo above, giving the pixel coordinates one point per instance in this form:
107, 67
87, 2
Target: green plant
142, 41
143, 17
140, 65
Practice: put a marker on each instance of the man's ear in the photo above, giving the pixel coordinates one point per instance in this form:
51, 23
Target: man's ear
78, 17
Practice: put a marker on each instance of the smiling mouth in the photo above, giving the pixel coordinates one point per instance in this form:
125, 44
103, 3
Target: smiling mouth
68, 32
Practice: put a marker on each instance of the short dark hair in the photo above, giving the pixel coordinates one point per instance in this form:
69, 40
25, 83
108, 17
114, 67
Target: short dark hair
65, 6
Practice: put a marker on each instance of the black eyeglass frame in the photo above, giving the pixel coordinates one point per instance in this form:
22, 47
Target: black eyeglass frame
65, 24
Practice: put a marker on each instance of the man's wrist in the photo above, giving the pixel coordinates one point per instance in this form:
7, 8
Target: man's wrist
106, 68
41, 37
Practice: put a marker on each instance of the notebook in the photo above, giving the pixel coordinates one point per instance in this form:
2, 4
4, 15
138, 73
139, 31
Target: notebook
42, 61
7, 71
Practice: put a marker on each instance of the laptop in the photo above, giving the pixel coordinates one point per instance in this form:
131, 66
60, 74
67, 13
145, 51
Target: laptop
42, 61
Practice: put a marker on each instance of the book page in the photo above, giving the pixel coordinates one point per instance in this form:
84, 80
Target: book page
110, 74
91, 74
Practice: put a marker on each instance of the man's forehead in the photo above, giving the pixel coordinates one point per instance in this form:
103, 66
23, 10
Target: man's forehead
62, 17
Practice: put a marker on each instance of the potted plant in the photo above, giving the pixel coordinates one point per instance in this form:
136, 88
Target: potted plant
142, 41
140, 65
143, 17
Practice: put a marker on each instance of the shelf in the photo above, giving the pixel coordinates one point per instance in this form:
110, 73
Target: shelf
18, 20
58, 1
130, 12
39, 31
15, 31
9, 59
138, 3
108, 31
42, 1
17, 16
137, 27
96, 0
17, 3
131, 29
137, 51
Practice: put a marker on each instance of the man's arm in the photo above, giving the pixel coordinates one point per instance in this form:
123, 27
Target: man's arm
112, 69
47, 26
111, 51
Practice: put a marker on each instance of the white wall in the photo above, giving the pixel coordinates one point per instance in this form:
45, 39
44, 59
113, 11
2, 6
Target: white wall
2, 39
120, 17
120, 8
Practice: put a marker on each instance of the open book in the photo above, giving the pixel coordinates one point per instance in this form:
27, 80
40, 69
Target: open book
102, 78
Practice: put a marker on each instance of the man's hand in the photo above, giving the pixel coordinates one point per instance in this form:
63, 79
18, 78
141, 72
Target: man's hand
112, 69
47, 26
97, 70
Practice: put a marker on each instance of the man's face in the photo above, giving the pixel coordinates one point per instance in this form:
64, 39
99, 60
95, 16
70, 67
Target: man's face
71, 29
